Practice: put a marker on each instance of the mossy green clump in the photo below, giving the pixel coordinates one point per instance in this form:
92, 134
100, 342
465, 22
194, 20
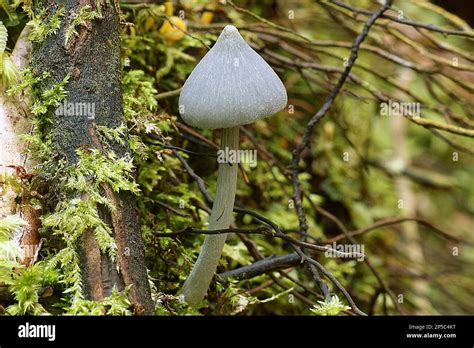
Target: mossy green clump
115, 304
80, 195
85, 14
39, 142
25, 284
332, 306
41, 27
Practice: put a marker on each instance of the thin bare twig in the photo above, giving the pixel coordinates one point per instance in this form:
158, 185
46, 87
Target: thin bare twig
358, 10
321, 113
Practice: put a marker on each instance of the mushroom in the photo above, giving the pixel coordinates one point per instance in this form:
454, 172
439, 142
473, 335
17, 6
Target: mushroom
230, 87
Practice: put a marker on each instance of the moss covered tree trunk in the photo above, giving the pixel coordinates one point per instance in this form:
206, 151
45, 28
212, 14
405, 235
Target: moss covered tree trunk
91, 57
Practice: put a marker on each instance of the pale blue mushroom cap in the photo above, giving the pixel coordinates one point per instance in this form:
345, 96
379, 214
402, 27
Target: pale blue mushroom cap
231, 86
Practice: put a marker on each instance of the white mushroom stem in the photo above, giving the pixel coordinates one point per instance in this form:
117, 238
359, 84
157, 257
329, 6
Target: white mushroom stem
197, 284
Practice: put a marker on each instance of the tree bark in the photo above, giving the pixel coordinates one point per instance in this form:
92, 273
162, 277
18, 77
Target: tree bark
15, 120
92, 59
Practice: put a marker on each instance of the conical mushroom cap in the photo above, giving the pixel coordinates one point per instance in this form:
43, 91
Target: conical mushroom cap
231, 86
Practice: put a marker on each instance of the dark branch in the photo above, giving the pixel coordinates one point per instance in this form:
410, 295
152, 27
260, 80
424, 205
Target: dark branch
268, 264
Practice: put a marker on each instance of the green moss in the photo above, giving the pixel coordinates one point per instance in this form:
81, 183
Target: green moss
86, 14
27, 82
25, 283
77, 211
113, 134
50, 97
115, 304
42, 28
39, 142
105, 169
332, 306
139, 97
